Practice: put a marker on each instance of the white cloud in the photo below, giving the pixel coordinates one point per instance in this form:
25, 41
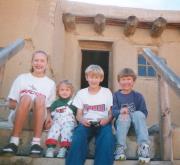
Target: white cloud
148, 4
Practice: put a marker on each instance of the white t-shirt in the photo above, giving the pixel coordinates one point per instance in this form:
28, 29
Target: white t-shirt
34, 86
94, 107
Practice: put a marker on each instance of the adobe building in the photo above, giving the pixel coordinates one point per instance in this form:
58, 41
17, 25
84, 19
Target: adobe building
78, 34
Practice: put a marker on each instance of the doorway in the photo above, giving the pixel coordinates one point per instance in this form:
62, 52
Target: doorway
96, 57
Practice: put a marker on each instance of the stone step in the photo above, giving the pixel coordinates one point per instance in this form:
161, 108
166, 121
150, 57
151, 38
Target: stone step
18, 160
5, 132
27, 134
4, 110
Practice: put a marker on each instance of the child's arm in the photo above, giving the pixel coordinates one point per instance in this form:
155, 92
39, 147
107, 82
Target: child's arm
48, 121
115, 107
82, 120
12, 104
107, 120
141, 104
124, 113
73, 108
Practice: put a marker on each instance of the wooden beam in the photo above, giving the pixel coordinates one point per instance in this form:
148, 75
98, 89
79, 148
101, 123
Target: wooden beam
165, 121
95, 45
1, 77
158, 27
121, 22
131, 25
99, 23
69, 22
163, 70
7, 52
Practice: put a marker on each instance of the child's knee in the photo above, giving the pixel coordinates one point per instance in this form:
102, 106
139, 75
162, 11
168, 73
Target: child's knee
39, 101
25, 99
139, 115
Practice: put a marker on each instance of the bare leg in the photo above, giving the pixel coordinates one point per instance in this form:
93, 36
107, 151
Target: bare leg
39, 115
22, 111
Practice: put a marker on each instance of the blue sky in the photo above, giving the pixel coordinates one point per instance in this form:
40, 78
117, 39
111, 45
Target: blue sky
147, 4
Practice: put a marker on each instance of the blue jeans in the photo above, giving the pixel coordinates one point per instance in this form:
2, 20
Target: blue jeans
138, 119
104, 145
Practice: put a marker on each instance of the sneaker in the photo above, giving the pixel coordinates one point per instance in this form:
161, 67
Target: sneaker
62, 152
50, 152
144, 153
11, 148
36, 150
120, 153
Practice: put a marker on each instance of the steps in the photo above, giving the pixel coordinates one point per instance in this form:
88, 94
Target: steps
18, 160
26, 136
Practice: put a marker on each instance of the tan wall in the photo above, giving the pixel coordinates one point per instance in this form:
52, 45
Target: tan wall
33, 21
124, 54
39, 23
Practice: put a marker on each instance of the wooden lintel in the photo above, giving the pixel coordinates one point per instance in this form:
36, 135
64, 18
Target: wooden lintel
130, 25
99, 23
69, 22
158, 27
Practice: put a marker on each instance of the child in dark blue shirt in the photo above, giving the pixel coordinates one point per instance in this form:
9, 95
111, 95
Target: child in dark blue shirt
129, 107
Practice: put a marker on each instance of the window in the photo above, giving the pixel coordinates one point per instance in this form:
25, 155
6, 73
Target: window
144, 68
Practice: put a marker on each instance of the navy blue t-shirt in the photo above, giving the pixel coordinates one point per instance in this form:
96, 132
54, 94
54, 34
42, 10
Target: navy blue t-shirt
133, 100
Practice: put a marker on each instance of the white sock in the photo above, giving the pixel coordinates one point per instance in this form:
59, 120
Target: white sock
35, 141
14, 140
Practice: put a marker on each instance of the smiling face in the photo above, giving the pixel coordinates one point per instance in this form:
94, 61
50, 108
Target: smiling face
39, 64
126, 83
94, 80
64, 91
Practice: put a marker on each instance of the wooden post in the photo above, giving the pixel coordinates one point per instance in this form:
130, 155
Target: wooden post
131, 25
1, 78
99, 23
158, 27
69, 22
165, 121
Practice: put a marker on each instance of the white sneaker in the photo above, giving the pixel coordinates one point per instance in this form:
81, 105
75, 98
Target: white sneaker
50, 153
62, 152
120, 153
144, 153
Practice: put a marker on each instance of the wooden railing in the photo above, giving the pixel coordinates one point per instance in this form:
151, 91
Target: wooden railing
6, 53
10, 50
165, 77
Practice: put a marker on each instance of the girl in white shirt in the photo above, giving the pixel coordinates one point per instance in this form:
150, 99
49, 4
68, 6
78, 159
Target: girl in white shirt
31, 91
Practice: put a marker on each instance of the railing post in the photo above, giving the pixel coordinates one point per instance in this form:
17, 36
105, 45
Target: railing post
165, 121
1, 77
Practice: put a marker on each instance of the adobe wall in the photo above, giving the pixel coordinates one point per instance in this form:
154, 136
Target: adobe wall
39, 23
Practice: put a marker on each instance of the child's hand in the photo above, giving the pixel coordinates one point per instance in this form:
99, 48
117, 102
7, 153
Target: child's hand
104, 121
85, 122
48, 122
124, 113
124, 110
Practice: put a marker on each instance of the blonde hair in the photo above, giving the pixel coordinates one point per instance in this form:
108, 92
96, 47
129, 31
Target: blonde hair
37, 52
94, 69
67, 83
125, 73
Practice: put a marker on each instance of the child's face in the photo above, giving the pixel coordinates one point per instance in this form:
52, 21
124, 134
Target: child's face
64, 91
94, 80
39, 63
126, 83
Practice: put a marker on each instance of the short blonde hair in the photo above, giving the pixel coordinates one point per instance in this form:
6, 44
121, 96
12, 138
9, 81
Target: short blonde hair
125, 73
67, 83
94, 69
